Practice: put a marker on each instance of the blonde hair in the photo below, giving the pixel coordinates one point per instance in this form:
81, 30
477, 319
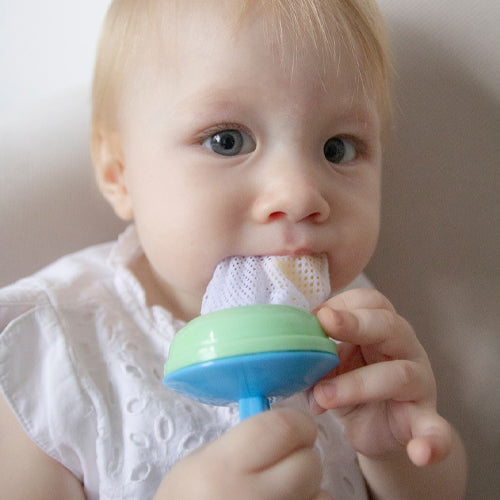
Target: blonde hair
357, 25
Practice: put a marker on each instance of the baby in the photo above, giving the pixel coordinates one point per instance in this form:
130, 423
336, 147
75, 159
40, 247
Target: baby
222, 128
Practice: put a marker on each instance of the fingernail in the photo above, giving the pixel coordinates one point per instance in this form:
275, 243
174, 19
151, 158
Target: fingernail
337, 317
332, 316
313, 405
328, 390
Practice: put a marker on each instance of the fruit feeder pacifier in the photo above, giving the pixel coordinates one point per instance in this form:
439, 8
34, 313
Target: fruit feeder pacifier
255, 340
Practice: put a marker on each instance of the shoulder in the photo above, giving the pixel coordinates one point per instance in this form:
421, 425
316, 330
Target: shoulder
45, 320
66, 272
43, 315
71, 279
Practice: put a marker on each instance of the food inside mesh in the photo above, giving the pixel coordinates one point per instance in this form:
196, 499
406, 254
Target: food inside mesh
301, 282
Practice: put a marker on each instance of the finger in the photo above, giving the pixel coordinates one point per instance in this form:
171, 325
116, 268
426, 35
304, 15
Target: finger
432, 439
360, 298
314, 407
398, 380
298, 476
392, 334
261, 441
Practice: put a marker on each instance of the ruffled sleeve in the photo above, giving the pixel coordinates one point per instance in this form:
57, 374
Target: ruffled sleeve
40, 383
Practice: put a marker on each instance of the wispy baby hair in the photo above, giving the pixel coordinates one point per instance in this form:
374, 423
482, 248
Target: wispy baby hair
134, 29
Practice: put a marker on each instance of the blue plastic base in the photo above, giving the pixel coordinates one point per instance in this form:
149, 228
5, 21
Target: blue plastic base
251, 379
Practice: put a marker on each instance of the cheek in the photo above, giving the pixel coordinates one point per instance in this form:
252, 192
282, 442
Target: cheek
356, 238
178, 258
365, 228
185, 234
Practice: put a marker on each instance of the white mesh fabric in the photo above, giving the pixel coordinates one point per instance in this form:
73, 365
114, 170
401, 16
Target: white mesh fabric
301, 282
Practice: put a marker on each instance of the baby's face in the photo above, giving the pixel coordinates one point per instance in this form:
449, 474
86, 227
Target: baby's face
226, 153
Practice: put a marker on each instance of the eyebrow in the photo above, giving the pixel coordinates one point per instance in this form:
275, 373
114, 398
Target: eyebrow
359, 114
214, 100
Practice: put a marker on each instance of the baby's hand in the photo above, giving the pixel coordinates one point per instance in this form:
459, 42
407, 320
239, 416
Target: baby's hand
384, 389
268, 456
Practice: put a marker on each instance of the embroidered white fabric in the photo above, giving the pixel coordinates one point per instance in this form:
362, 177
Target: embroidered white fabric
81, 358
301, 282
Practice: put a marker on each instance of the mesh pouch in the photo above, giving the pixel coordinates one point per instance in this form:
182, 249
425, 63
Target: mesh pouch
301, 282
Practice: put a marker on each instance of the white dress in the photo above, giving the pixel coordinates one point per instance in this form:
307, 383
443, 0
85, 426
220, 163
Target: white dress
81, 364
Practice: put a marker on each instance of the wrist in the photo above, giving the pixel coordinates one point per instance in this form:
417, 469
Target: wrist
389, 476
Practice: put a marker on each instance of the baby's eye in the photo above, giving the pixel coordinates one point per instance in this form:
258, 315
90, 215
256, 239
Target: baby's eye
339, 150
230, 143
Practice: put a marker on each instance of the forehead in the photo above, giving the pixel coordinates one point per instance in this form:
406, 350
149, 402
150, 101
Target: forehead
290, 29
206, 49
202, 29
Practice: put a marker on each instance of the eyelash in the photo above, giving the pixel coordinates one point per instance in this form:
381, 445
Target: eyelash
221, 127
361, 146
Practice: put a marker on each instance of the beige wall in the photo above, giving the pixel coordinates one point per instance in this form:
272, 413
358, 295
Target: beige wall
438, 256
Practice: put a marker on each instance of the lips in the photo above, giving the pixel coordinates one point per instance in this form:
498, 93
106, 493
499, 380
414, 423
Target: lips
297, 239
281, 240
293, 246
299, 252
287, 252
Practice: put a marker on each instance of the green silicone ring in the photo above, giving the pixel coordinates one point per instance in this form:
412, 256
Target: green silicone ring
246, 330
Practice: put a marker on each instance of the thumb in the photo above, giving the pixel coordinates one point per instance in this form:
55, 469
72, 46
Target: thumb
267, 438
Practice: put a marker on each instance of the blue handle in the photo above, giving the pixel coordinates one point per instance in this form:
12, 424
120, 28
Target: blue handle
252, 405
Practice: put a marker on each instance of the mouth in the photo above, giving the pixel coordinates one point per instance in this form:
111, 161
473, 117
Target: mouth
298, 252
293, 251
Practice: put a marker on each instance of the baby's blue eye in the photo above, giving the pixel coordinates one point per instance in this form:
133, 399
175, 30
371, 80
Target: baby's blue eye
230, 143
339, 150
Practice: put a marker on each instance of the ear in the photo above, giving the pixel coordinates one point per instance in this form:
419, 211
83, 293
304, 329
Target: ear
110, 169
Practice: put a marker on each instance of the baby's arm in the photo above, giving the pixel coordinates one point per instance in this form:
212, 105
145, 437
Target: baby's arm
385, 394
270, 456
26, 472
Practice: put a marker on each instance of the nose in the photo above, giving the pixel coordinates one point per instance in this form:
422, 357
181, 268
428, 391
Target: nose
293, 193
